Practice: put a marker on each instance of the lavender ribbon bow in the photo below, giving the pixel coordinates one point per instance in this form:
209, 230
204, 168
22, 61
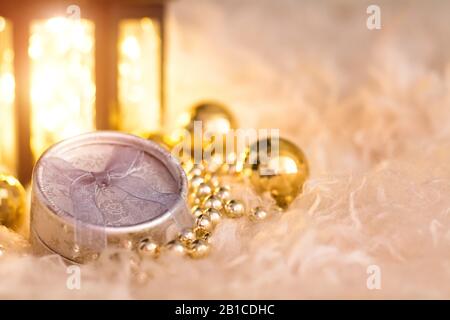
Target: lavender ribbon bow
98, 198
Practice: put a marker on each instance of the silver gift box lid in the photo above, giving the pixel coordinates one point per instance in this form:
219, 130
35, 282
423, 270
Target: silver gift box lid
104, 189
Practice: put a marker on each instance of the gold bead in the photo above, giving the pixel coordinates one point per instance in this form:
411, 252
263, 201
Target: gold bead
214, 215
187, 236
12, 203
204, 190
199, 166
223, 193
199, 249
258, 213
282, 173
202, 234
149, 248
195, 171
213, 202
196, 211
196, 182
204, 222
187, 165
234, 208
176, 247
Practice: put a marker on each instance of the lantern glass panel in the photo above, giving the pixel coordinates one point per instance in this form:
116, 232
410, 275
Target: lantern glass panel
7, 86
61, 52
139, 75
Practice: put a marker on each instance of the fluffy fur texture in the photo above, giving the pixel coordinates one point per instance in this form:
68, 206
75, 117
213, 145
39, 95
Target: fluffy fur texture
371, 109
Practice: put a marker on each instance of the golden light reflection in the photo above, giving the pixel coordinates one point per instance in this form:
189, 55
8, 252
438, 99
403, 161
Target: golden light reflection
283, 165
7, 87
62, 80
139, 73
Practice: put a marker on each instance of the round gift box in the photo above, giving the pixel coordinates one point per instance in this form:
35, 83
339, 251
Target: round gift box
105, 189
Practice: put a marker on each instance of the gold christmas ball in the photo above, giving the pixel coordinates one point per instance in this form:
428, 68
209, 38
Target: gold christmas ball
282, 173
12, 202
205, 122
215, 118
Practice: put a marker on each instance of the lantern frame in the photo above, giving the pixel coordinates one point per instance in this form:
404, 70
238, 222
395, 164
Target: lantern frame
106, 16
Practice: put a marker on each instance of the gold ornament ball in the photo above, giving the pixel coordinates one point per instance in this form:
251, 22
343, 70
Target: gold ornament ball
202, 234
281, 173
12, 202
215, 118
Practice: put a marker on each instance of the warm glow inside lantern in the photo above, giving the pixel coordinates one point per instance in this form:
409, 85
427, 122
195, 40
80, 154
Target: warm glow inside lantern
62, 80
73, 67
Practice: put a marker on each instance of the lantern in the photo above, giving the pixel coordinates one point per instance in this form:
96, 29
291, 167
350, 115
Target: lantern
68, 67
